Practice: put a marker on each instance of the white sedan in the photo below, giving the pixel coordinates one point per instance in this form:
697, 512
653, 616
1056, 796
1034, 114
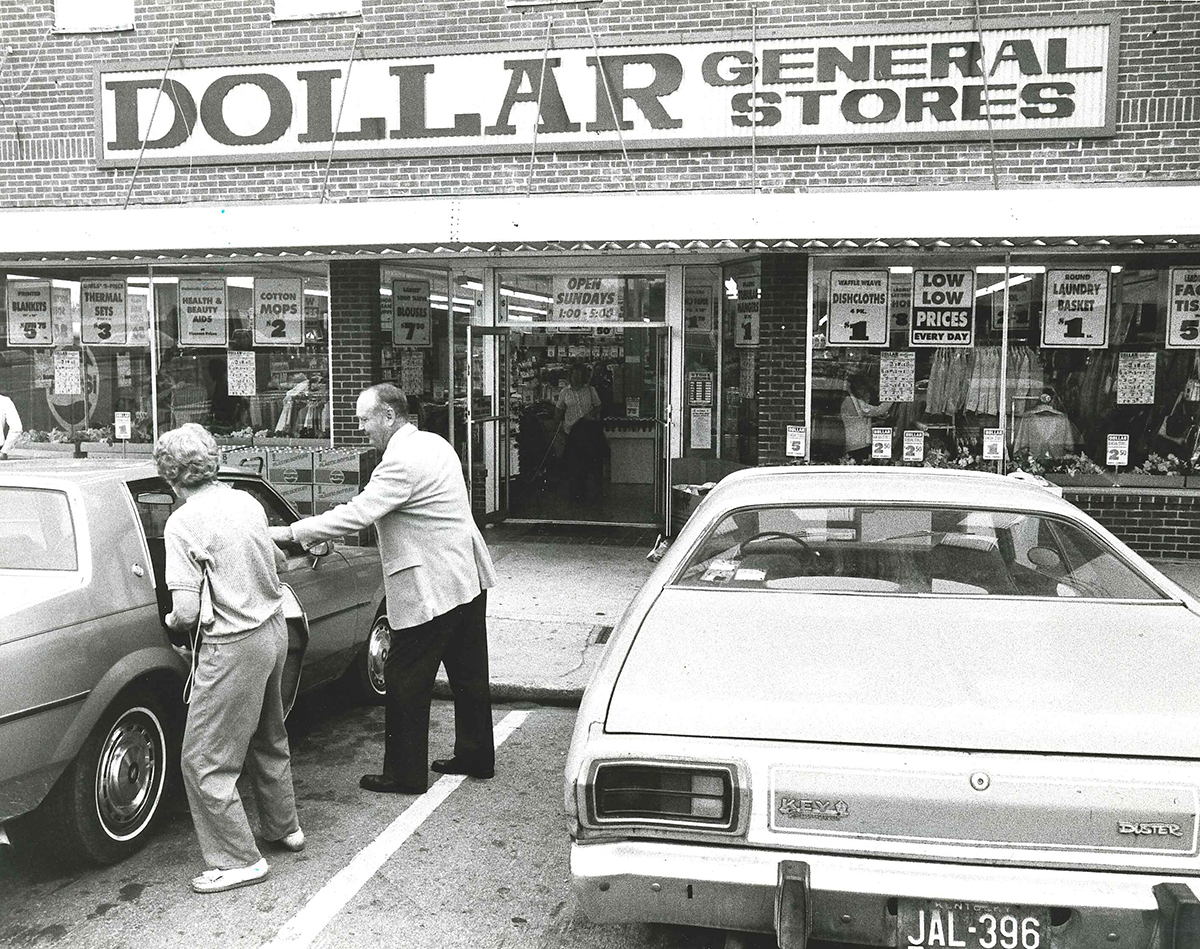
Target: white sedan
895, 707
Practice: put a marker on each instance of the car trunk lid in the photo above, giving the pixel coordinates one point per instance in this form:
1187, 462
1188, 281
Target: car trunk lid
983, 674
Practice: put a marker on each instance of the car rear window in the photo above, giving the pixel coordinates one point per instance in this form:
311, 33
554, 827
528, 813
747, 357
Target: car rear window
908, 549
36, 532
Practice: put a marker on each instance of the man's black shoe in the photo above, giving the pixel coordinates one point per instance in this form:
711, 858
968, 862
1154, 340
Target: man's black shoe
458, 766
385, 785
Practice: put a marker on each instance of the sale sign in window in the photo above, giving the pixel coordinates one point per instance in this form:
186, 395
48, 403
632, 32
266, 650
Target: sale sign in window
278, 311
102, 312
943, 308
858, 308
1076, 313
1183, 309
202, 311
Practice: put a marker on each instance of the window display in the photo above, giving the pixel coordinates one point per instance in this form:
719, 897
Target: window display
1091, 353
243, 352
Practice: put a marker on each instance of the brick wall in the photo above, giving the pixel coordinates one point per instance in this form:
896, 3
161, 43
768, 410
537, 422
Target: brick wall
1161, 525
783, 323
357, 340
47, 145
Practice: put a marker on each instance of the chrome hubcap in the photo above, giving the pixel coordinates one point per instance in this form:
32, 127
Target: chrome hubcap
378, 646
129, 773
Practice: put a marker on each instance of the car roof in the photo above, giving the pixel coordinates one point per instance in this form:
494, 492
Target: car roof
88, 471
833, 484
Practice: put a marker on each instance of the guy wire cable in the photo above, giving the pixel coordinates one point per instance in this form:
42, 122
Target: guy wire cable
608, 92
754, 96
537, 119
988, 96
338, 124
149, 125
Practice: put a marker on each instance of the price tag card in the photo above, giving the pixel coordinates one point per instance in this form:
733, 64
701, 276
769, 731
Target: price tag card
1117, 454
897, 376
124, 371
1183, 309
1076, 312
700, 435
202, 311
993, 444
122, 426
633, 408
700, 388
943, 308
29, 313
137, 312
242, 373
412, 320
881, 443
797, 441
858, 308
278, 311
68, 377
103, 313
914, 446
1135, 378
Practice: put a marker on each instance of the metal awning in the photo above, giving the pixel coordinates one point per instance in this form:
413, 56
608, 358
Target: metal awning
1063, 220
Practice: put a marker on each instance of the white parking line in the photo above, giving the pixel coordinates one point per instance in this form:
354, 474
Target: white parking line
317, 913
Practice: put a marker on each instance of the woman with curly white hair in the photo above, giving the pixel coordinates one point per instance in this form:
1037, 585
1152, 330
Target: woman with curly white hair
235, 717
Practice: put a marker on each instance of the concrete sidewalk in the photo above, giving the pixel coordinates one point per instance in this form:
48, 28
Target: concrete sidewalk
556, 594
559, 591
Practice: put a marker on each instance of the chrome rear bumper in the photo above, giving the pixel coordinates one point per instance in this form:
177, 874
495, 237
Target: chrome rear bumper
852, 899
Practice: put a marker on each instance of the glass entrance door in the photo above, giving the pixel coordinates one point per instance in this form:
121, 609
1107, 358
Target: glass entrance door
589, 424
489, 440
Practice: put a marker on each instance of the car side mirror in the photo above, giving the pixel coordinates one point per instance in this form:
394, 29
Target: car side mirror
660, 549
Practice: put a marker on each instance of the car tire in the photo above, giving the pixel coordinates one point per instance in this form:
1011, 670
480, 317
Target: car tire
109, 800
371, 659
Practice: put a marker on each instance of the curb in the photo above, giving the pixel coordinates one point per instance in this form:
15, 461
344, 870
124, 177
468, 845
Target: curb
504, 693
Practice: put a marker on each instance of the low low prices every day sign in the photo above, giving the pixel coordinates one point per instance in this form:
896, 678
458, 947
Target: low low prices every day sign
943, 308
278, 311
1076, 313
29, 313
202, 311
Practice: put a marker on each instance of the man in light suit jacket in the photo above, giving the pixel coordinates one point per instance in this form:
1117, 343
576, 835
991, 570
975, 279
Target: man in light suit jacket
436, 570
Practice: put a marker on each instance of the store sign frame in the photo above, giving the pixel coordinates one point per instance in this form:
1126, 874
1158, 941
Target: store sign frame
1048, 77
30, 321
859, 308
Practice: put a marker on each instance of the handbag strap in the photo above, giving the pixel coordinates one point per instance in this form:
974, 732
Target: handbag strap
204, 620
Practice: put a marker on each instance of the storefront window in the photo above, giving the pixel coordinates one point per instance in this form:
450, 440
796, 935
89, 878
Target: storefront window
739, 362
244, 353
908, 361
75, 358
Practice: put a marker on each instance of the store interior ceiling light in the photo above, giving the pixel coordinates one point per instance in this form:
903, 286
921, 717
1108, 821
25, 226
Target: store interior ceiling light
998, 287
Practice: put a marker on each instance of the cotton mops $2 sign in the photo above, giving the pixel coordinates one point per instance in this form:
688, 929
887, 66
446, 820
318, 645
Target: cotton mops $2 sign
278, 311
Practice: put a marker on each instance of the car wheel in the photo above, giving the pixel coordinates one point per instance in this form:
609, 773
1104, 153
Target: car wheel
372, 659
108, 800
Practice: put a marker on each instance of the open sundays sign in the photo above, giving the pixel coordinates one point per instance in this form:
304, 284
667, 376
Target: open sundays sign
1036, 78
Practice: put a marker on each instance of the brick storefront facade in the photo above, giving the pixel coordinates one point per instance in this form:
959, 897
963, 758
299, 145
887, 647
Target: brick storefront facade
50, 158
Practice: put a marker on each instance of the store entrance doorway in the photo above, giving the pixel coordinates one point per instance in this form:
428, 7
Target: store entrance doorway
588, 411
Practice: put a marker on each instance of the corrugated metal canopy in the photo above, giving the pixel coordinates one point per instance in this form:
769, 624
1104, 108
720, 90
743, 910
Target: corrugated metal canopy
1123, 219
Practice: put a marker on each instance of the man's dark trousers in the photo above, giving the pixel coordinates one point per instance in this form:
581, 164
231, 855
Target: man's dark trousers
458, 640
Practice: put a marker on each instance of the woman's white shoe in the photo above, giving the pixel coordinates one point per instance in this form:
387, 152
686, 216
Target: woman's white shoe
217, 881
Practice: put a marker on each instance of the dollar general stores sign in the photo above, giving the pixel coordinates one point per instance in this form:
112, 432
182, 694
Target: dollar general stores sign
917, 82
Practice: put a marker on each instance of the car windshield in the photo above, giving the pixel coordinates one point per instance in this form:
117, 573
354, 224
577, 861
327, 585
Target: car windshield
36, 532
910, 549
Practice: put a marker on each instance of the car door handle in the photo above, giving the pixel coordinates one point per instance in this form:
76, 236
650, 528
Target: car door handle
138, 570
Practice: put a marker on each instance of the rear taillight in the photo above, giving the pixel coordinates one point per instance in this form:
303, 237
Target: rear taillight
671, 793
